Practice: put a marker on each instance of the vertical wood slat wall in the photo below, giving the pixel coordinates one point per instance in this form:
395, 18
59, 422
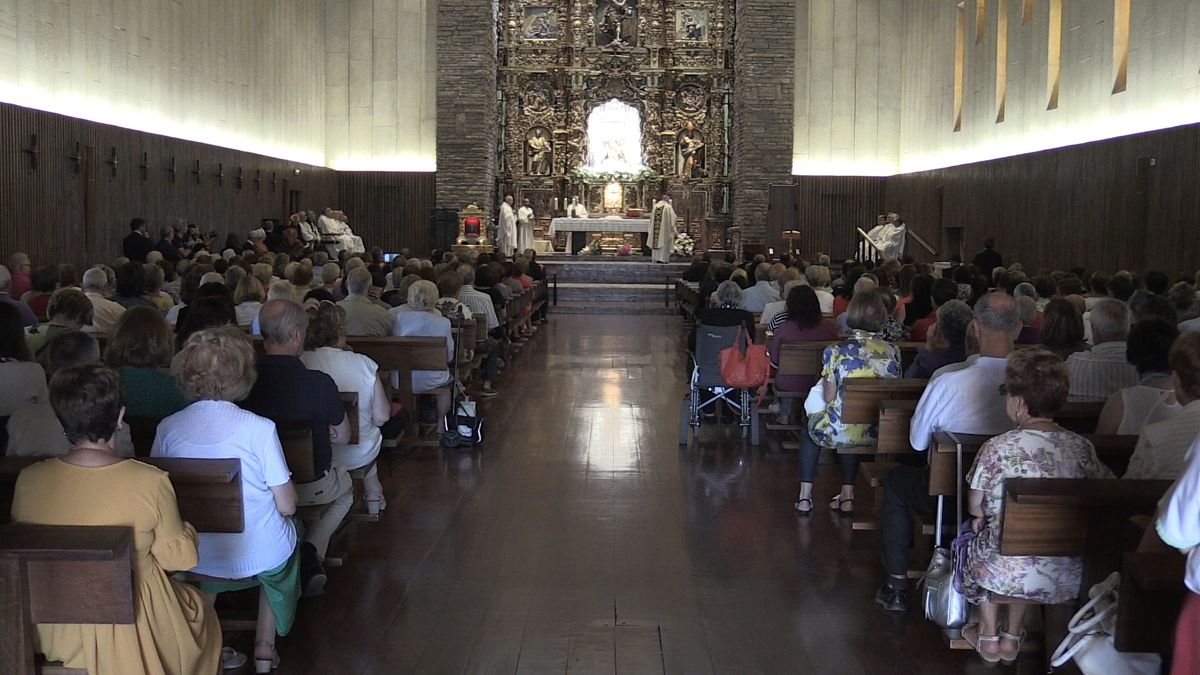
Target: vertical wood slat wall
1126, 203
56, 215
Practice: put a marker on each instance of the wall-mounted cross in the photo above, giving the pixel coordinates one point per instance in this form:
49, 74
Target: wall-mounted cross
171, 169
145, 166
240, 178
112, 162
32, 151
274, 181
257, 180
77, 157
196, 171
220, 174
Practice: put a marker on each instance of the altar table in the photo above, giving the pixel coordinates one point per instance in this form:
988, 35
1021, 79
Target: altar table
599, 225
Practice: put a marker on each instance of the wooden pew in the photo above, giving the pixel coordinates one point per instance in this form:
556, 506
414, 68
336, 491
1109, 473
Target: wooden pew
209, 491
403, 355
60, 574
1152, 592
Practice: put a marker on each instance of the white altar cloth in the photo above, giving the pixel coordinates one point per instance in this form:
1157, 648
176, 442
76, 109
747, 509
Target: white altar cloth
599, 225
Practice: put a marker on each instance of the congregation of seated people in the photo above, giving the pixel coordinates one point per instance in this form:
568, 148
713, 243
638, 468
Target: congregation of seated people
167, 335
1003, 353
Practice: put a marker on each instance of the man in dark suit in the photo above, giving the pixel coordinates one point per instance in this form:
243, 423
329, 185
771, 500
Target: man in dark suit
137, 244
987, 259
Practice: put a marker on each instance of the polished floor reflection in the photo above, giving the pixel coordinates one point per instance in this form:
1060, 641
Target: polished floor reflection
582, 538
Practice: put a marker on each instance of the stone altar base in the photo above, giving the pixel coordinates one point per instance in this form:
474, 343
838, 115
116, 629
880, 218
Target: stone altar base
611, 285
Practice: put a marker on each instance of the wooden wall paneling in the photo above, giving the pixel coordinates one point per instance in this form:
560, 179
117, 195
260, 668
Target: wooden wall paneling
828, 208
47, 212
388, 209
1126, 203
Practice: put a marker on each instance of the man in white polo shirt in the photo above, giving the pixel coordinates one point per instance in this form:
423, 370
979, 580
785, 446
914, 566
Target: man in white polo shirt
1103, 370
962, 399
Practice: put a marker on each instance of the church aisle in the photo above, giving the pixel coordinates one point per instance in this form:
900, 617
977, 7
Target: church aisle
582, 538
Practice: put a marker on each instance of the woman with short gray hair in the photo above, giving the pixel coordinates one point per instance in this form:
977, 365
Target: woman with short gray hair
422, 319
728, 312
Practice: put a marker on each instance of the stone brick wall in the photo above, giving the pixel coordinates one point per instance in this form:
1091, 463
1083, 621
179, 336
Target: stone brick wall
763, 106
466, 103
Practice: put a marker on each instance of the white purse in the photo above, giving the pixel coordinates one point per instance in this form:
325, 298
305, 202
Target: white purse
1090, 638
815, 401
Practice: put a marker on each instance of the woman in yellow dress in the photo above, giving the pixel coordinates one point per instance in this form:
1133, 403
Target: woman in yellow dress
176, 631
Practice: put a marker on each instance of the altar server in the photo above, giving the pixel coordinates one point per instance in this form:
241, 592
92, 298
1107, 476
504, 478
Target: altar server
890, 237
661, 238
506, 232
524, 226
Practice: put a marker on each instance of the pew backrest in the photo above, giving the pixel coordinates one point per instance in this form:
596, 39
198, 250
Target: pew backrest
297, 441
208, 491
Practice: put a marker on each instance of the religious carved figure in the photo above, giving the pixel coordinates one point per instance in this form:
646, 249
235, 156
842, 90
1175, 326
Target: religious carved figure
691, 24
539, 151
616, 23
690, 155
690, 98
540, 23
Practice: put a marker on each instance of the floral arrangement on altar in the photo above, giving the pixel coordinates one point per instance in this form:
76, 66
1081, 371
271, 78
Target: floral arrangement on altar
592, 175
593, 248
625, 249
684, 245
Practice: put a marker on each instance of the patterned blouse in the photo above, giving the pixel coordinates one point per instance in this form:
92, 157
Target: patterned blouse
862, 355
1024, 453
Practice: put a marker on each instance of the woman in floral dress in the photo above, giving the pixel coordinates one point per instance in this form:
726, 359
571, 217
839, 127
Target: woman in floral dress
1036, 385
862, 355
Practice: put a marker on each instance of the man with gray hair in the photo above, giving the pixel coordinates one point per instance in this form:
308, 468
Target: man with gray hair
755, 298
961, 398
484, 312
1103, 370
105, 313
34, 430
28, 318
287, 391
945, 341
363, 317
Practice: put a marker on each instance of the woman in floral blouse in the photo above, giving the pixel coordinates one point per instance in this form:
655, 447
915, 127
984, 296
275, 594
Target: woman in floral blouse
864, 354
1036, 385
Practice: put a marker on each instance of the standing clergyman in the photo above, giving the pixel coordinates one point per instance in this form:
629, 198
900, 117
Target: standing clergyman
524, 226
506, 233
662, 230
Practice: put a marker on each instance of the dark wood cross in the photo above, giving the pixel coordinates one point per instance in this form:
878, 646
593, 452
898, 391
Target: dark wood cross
32, 151
77, 157
171, 169
220, 174
274, 181
257, 180
145, 166
196, 171
240, 177
112, 162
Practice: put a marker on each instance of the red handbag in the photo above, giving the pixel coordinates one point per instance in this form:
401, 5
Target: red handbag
747, 368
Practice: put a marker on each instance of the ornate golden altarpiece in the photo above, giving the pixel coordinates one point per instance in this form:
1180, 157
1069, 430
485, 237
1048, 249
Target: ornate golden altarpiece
671, 60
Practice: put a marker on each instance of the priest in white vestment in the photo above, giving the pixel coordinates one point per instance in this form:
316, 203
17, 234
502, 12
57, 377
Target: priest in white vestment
890, 236
576, 209
506, 231
524, 226
661, 239
336, 233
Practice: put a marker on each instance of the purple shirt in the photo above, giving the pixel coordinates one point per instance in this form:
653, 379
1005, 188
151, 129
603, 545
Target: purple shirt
789, 331
27, 316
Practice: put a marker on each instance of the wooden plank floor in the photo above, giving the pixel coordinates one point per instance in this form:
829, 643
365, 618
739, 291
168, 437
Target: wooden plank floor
581, 538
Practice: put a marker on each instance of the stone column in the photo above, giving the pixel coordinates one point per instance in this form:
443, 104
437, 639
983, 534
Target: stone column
764, 64
466, 104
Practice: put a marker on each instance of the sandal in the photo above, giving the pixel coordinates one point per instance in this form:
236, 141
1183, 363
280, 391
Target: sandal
266, 665
231, 659
375, 505
803, 512
1010, 657
979, 641
838, 503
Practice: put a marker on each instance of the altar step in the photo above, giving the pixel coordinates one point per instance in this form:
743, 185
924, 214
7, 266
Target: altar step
639, 307
612, 293
610, 272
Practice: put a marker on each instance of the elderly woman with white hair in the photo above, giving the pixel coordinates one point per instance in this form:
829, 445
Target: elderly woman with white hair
727, 312
424, 320
257, 242
818, 277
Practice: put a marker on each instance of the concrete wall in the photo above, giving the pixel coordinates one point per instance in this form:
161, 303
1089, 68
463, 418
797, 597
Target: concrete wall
245, 75
380, 75
848, 56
